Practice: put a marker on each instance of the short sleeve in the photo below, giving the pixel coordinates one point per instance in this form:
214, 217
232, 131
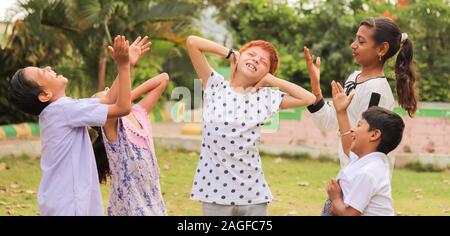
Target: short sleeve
86, 112
272, 100
214, 81
360, 191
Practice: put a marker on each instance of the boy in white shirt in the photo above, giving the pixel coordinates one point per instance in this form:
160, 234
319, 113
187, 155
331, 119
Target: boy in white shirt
69, 184
364, 187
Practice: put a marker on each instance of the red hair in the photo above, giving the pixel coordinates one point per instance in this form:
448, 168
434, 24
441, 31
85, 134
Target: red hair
268, 47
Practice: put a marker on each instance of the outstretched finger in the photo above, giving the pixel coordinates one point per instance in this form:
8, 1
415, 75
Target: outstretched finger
145, 50
339, 86
318, 62
333, 89
307, 54
142, 41
136, 41
147, 45
350, 97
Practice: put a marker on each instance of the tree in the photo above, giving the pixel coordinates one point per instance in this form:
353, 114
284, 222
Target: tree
328, 28
72, 37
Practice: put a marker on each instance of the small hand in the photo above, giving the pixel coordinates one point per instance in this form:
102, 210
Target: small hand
120, 51
138, 48
314, 72
334, 190
340, 100
234, 59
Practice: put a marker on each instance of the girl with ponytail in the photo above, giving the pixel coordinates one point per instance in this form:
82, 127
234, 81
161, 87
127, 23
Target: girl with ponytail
377, 40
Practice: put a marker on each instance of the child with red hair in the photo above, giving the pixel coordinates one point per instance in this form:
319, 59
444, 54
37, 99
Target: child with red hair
229, 179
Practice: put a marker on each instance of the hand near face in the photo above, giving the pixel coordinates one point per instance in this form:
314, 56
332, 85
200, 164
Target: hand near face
234, 59
266, 81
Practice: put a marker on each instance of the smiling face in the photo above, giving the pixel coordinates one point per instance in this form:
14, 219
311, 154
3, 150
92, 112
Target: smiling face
254, 63
365, 51
52, 84
363, 138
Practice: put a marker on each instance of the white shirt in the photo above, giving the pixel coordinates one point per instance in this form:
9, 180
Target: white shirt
366, 184
69, 184
229, 171
325, 118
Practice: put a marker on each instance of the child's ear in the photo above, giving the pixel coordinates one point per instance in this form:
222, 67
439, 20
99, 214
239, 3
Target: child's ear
45, 96
375, 135
383, 49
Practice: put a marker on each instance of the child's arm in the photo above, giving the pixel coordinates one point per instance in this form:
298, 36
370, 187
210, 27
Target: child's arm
341, 102
338, 207
154, 87
197, 47
136, 50
296, 95
122, 105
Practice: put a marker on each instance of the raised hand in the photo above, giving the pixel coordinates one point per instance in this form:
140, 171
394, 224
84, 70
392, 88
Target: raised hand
138, 48
314, 72
340, 100
120, 51
234, 58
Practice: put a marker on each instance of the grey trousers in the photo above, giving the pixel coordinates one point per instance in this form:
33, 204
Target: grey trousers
210, 209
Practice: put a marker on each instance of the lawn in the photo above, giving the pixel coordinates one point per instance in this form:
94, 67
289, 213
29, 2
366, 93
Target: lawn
298, 186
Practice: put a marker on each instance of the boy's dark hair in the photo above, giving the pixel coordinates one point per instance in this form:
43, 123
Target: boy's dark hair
24, 94
386, 30
390, 125
101, 157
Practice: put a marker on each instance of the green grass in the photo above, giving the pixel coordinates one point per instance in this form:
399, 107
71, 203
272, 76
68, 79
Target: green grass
297, 183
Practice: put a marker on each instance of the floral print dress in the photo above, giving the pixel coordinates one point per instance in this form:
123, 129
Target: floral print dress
135, 188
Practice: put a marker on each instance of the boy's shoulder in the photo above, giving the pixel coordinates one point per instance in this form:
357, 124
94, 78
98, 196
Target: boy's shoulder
376, 166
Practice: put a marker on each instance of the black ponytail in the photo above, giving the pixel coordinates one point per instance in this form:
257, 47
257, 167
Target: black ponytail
100, 154
405, 77
386, 30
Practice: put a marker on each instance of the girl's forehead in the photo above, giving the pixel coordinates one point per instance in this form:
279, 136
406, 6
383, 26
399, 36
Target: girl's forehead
365, 31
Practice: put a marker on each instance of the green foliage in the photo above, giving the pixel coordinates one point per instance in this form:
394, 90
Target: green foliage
429, 24
328, 28
72, 37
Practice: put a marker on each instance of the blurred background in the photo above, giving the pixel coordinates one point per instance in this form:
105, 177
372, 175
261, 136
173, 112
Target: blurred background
72, 36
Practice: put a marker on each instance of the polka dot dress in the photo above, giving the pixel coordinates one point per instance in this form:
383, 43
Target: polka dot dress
229, 170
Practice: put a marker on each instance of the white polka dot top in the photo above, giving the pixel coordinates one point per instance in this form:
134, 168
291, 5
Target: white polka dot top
229, 171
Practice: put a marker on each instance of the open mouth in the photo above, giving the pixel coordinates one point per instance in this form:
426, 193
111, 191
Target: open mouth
251, 67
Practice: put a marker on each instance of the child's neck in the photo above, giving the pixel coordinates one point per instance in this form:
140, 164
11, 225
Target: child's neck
365, 152
240, 84
58, 96
370, 71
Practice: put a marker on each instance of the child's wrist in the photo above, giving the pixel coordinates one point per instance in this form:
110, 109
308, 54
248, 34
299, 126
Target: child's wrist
341, 112
124, 64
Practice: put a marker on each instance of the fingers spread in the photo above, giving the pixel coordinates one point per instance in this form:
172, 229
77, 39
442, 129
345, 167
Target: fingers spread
333, 89
340, 89
141, 42
136, 41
